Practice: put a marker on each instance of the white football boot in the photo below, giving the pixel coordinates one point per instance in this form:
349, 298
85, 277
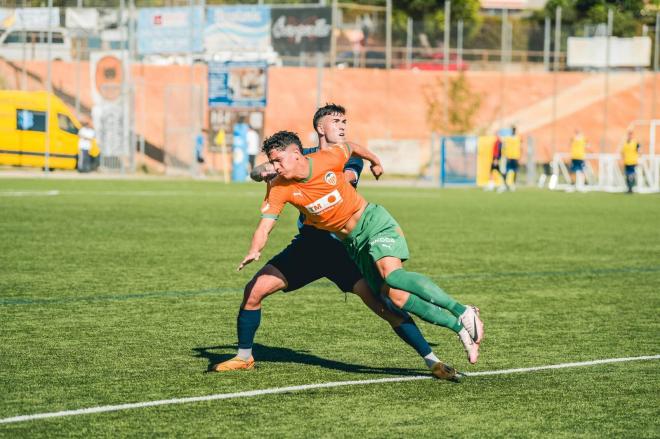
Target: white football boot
471, 348
471, 321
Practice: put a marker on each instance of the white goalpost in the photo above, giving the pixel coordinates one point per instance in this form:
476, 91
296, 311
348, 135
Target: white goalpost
603, 172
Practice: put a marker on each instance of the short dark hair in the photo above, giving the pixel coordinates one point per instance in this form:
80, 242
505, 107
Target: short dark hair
280, 140
327, 110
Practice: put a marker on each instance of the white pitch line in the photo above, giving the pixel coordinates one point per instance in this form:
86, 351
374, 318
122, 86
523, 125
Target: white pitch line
250, 393
28, 193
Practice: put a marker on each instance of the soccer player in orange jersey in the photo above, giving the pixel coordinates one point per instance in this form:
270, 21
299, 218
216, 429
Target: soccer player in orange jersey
372, 237
314, 254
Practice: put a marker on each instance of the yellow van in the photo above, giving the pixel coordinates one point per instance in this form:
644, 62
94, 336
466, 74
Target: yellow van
23, 131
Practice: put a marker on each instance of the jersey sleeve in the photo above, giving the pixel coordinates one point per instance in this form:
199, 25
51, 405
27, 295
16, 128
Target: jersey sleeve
276, 198
356, 165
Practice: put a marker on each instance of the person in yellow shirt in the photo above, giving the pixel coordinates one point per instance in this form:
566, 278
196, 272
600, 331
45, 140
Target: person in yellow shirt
630, 154
512, 152
579, 148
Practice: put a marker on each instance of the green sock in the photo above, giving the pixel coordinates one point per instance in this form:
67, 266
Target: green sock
431, 313
424, 288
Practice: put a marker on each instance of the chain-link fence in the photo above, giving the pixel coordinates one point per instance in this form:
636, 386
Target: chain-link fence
150, 108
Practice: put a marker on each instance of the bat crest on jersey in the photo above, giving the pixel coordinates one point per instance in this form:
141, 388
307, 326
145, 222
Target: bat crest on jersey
330, 178
324, 203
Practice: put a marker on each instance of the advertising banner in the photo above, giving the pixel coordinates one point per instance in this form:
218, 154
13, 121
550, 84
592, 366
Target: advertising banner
32, 18
398, 156
624, 52
107, 111
237, 28
296, 30
239, 153
82, 18
238, 84
168, 30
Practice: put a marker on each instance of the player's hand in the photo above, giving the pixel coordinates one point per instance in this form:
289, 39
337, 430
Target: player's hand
268, 173
376, 170
250, 257
263, 172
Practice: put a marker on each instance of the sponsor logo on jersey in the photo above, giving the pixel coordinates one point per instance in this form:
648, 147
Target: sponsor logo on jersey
297, 194
383, 241
324, 203
330, 178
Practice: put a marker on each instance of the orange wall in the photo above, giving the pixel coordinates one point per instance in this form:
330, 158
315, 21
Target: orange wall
381, 104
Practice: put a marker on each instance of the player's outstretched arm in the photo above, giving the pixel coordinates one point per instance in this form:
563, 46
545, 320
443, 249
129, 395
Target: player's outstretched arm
259, 240
263, 172
364, 153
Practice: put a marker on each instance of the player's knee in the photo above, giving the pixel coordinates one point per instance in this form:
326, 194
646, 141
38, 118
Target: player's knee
254, 293
398, 297
260, 287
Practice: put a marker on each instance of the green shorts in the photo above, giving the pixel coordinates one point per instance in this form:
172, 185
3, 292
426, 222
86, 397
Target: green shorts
375, 236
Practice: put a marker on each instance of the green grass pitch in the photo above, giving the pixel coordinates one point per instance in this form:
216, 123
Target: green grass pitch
118, 291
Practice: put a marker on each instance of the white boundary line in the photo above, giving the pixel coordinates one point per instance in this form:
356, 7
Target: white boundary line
250, 393
29, 193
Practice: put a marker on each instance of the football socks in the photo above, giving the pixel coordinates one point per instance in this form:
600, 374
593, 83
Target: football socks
424, 288
431, 313
247, 324
409, 332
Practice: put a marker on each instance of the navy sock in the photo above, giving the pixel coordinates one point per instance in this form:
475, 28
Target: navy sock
409, 332
247, 324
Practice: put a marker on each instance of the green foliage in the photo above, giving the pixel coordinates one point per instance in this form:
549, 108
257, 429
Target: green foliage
629, 15
463, 105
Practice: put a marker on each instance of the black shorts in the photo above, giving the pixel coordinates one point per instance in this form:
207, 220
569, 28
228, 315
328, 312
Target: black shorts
314, 254
495, 165
511, 165
577, 165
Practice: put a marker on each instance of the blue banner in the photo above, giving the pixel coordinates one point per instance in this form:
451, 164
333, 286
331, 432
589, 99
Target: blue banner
237, 28
238, 84
168, 30
239, 169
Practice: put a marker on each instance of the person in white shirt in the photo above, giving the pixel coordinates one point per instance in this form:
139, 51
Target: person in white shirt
252, 145
85, 137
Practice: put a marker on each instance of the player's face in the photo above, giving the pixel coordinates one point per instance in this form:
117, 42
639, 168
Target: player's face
333, 127
285, 161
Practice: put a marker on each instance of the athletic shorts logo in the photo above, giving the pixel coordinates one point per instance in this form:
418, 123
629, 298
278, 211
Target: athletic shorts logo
265, 208
322, 204
330, 178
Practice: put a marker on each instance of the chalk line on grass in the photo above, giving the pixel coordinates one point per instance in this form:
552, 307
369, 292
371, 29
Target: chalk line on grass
276, 390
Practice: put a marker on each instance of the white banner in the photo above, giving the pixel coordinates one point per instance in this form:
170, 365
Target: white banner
624, 52
33, 18
107, 112
398, 156
82, 18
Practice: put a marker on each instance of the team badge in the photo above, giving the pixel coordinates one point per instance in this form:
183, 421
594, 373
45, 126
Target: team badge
330, 178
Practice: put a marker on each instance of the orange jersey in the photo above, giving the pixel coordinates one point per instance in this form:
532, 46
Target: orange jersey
325, 198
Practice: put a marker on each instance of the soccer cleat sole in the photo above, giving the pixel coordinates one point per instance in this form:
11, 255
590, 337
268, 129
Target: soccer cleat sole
445, 372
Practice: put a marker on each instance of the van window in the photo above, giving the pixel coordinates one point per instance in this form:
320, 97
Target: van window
15, 37
65, 124
28, 120
33, 37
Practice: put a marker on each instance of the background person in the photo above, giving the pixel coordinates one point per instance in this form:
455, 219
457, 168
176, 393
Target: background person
630, 153
253, 144
85, 137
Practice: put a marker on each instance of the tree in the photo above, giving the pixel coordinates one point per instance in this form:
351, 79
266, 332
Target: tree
629, 15
463, 105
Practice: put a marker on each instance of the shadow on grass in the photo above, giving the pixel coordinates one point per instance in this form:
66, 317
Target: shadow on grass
269, 354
